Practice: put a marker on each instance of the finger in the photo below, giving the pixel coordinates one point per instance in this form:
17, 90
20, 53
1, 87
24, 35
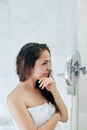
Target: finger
40, 80
42, 84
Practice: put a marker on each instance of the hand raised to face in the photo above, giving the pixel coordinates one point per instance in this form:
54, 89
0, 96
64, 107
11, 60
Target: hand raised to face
48, 83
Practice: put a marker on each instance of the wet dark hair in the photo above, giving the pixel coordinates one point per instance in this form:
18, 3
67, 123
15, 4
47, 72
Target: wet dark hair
27, 57
25, 61
47, 94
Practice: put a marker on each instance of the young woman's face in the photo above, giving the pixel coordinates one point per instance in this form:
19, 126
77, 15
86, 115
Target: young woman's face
42, 66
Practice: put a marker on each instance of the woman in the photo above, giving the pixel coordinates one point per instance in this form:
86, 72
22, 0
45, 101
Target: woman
35, 103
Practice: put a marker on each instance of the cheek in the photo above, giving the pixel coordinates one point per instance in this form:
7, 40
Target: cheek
38, 71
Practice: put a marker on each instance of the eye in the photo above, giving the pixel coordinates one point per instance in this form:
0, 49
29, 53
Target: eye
44, 63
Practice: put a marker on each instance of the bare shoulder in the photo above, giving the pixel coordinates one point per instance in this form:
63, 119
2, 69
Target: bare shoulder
15, 98
18, 109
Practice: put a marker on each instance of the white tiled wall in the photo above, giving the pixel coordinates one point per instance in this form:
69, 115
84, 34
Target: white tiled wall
7, 128
82, 43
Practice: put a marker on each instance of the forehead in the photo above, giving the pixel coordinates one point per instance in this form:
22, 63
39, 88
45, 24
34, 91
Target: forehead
45, 55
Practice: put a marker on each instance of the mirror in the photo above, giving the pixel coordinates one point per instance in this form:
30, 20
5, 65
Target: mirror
72, 68
72, 71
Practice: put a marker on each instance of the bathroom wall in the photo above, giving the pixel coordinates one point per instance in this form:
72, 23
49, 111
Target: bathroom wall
82, 45
21, 21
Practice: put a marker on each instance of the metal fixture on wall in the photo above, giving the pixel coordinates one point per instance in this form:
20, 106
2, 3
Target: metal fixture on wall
72, 71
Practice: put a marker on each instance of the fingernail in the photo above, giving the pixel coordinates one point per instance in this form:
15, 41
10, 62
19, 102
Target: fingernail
39, 81
40, 86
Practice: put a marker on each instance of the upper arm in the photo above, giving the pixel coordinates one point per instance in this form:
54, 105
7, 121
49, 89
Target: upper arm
20, 114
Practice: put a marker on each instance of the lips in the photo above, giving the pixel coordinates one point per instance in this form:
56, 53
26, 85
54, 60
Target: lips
46, 74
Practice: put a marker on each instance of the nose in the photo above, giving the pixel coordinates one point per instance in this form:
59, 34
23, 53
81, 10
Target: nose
49, 67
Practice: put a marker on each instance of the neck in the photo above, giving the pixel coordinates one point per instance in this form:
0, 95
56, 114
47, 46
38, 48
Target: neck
29, 83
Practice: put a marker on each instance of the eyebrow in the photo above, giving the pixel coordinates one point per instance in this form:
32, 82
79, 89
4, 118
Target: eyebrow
47, 60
